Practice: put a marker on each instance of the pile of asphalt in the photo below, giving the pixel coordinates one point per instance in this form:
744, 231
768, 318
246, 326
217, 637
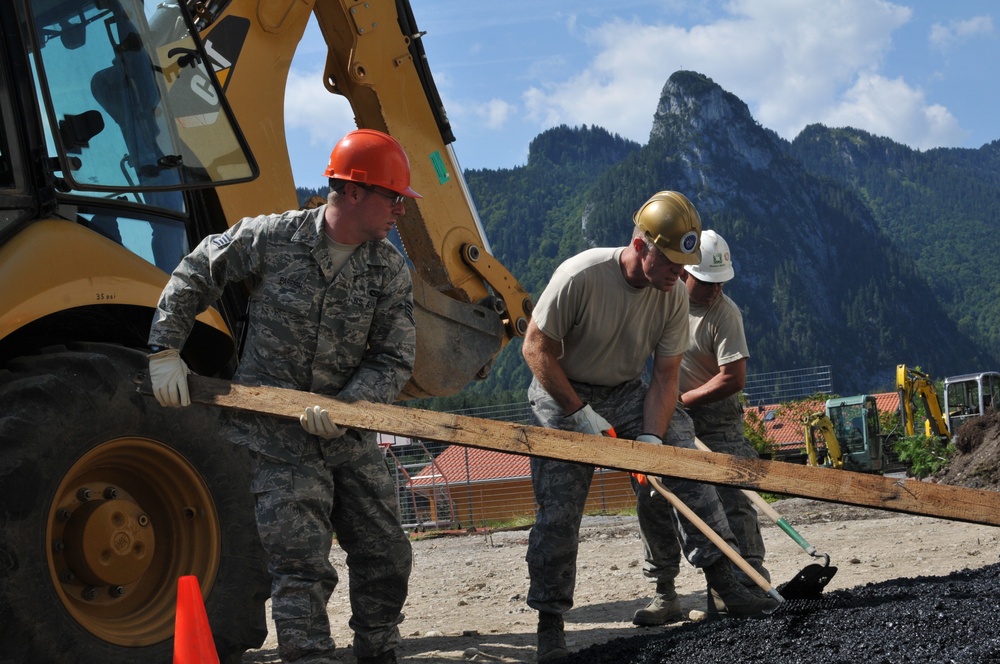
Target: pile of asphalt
950, 618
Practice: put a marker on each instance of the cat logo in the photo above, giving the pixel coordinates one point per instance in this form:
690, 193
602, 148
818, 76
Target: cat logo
224, 44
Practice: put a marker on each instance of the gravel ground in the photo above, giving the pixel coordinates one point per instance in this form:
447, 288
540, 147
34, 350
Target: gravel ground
909, 590
897, 596
951, 618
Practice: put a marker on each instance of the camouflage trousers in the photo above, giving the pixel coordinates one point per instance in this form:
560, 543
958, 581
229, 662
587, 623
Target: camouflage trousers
721, 429
561, 489
300, 508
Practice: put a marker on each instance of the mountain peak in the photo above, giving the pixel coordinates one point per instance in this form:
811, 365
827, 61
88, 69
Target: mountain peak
695, 110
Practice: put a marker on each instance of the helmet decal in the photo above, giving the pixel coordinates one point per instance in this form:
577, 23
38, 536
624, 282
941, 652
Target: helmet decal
689, 242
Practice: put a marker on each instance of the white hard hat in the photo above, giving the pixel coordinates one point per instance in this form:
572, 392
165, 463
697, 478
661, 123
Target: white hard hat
716, 264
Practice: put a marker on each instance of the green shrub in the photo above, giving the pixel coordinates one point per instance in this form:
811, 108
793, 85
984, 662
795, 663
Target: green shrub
755, 432
923, 455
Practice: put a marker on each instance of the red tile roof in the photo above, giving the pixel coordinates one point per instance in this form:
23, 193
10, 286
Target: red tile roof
790, 435
459, 463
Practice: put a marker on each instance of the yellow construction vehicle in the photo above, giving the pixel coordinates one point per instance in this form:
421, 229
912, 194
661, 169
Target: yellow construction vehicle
131, 129
847, 435
911, 383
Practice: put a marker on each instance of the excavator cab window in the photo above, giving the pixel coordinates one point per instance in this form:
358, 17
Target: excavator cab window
963, 398
160, 241
849, 428
990, 392
133, 108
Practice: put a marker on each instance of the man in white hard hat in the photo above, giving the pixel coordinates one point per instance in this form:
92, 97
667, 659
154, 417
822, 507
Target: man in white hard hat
712, 373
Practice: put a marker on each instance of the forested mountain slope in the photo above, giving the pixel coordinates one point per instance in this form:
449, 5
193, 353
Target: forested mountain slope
824, 273
940, 207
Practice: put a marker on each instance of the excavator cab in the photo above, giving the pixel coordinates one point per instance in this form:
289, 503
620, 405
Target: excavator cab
970, 395
851, 431
131, 105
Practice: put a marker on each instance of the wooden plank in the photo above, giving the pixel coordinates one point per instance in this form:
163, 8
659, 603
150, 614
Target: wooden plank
838, 486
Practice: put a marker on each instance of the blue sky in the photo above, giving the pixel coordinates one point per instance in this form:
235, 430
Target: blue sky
925, 73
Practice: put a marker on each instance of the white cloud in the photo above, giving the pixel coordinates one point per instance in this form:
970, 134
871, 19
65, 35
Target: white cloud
944, 37
793, 62
321, 116
495, 113
892, 108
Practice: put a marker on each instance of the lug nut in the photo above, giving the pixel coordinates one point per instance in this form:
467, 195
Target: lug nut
110, 493
116, 591
90, 593
83, 495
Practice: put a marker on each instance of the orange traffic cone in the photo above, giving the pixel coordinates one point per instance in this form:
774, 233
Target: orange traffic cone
193, 642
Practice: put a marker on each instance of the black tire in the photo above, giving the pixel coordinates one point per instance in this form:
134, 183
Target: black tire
79, 448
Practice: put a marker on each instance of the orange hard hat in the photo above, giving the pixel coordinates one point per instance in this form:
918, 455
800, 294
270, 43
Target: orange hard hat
367, 156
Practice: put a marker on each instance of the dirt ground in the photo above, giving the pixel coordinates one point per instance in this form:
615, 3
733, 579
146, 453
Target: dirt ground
467, 591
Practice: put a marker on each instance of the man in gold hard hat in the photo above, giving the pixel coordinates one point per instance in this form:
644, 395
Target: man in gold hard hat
600, 318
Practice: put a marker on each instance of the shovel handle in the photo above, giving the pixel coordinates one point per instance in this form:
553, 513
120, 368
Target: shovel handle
707, 531
766, 508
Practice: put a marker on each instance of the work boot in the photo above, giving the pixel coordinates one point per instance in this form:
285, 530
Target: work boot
551, 637
664, 608
745, 578
727, 596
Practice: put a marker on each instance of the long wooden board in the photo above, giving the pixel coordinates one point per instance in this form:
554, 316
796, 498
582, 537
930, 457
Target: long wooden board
838, 486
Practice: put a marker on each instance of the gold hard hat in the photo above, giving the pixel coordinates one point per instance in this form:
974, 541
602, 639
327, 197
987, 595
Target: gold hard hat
670, 221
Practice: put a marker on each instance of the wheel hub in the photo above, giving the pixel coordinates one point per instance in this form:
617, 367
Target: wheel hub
129, 518
109, 542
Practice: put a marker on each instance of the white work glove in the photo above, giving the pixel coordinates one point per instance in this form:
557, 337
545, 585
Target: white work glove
585, 420
317, 422
168, 375
645, 438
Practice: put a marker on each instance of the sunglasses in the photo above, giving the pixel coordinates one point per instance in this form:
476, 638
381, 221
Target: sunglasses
394, 197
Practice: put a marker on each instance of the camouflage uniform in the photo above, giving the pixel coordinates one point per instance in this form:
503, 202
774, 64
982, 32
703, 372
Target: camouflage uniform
720, 426
561, 492
348, 335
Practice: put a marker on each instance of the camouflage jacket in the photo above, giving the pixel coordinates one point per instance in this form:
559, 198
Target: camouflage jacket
351, 336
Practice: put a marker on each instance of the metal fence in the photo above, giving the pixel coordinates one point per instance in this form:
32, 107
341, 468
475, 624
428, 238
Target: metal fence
459, 487
781, 386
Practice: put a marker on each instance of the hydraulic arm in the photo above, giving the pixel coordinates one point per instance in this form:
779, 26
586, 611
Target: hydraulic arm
911, 383
467, 305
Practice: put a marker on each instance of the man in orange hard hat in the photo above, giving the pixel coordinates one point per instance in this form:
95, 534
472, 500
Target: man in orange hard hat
332, 313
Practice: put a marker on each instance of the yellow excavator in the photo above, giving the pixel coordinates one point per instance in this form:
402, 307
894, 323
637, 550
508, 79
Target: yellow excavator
847, 435
131, 129
911, 384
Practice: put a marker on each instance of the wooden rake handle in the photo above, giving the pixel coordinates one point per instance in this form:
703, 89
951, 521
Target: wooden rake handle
772, 513
707, 531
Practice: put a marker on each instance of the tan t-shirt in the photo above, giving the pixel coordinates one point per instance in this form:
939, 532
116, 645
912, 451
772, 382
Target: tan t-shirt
608, 328
717, 338
340, 253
